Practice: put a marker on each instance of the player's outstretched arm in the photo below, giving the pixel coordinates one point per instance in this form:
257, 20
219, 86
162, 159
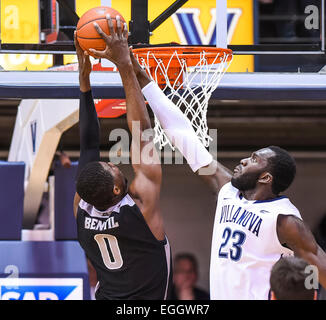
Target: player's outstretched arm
180, 132
293, 233
146, 185
89, 128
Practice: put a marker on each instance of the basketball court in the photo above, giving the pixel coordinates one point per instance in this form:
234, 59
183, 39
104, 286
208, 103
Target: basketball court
273, 92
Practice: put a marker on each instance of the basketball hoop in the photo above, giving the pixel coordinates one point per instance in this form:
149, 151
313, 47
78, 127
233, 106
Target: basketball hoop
188, 75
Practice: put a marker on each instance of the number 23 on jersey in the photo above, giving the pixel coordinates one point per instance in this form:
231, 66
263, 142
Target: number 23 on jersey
231, 246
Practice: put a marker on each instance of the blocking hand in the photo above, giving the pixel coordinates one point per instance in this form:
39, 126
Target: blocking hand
117, 49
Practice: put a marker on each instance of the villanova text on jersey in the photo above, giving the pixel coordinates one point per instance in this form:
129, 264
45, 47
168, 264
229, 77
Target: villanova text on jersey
241, 216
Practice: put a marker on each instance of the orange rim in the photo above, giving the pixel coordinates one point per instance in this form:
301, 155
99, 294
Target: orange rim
170, 57
190, 53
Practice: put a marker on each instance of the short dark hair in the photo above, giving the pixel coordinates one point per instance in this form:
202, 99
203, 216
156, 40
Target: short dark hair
282, 166
187, 256
95, 185
287, 280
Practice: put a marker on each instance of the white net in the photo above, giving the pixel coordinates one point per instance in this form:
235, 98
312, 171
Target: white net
190, 89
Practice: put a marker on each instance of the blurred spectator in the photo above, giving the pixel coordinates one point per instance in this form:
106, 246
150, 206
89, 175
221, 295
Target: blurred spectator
185, 279
288, 278
64, 159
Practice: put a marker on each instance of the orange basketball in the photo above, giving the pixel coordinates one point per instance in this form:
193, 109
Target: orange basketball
87, 36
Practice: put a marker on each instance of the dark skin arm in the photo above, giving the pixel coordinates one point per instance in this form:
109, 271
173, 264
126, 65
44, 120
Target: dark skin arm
146, 186
220, 176
215, 175
85, 68
293, 233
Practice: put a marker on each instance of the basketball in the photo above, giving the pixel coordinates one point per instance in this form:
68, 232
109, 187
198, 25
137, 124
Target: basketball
87, 36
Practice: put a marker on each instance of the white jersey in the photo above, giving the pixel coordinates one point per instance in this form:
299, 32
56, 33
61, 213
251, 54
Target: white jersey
245, 245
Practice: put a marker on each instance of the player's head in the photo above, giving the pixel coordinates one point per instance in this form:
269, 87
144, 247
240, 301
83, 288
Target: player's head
185, 268
272, 166
101, 184
288, 278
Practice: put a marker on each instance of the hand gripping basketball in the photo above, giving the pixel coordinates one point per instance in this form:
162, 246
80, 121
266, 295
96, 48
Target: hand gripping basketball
117, 49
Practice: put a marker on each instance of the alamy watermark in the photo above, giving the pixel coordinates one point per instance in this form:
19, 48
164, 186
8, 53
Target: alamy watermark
312, 20
312, 280
141, 149
13, 273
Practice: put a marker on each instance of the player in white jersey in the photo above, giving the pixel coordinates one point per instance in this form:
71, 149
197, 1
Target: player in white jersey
253, 225
245, 244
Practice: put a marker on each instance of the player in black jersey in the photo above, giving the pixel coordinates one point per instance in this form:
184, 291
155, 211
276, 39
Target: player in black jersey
120, 230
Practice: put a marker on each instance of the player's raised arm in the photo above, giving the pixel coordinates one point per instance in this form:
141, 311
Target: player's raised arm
89, 128
146, 186
293, 233
179, 130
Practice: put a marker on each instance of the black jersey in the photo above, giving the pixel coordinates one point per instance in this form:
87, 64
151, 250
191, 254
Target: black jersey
129, 261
